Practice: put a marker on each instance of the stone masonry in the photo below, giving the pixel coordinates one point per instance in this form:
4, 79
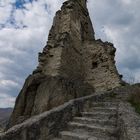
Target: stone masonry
72, 64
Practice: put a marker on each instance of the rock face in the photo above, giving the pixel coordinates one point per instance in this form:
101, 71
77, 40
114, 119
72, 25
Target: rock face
71, 65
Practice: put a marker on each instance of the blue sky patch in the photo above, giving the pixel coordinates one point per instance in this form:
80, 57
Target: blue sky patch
20, 3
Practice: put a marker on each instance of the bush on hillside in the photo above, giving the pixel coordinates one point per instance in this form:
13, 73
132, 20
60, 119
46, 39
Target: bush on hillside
135, 98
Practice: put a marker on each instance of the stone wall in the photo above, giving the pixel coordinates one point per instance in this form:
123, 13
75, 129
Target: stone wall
129, 122
99, 63
63, 52
74, 51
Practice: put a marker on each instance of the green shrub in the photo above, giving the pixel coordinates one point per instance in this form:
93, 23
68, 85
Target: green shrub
135, 99
112, 95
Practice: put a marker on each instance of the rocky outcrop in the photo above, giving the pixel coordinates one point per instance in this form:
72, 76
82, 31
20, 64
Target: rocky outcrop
71, 65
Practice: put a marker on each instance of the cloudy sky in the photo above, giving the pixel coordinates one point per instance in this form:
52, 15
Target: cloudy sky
24, 26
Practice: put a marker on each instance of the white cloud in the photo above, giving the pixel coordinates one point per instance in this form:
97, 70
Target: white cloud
6, 100
8, 83
5, 10
5, 61
127, 1
4, 14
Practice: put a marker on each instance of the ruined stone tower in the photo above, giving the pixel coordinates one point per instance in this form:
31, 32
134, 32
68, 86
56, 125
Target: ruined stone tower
71, 65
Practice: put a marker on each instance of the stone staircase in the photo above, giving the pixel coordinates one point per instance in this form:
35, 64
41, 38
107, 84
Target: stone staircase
99, 122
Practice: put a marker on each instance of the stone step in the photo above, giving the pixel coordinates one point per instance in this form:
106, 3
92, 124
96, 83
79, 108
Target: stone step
103, 122
99, 115
56, 139
104, 104
103, 109
96, 131
68, 135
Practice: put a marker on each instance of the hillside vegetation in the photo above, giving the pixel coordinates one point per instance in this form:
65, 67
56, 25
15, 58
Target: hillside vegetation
135, 98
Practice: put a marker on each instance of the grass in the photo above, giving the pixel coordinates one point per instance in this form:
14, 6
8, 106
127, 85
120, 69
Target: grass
135, 99
112, 95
